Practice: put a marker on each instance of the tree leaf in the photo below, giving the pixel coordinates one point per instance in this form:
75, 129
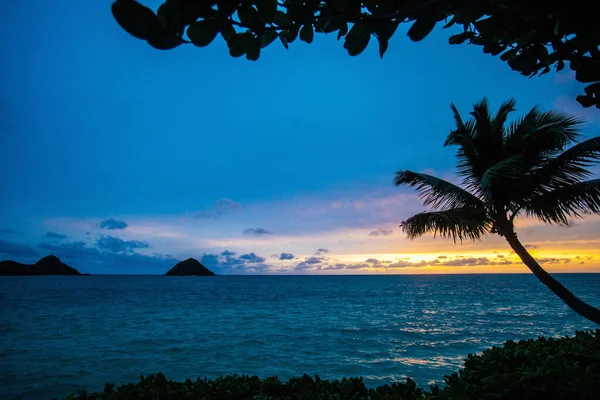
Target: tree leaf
267, 9
166, 41
357, 39
281, 19
202, 33
236, 44
138, 20
421, 28
252, 48
227, 30
250, 17
291, 33
226, 8
343, 31
460, 38
267, 38
284, 42
383, 45
307, 34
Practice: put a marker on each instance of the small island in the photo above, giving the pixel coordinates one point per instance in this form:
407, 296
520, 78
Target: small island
189, 267
50, 265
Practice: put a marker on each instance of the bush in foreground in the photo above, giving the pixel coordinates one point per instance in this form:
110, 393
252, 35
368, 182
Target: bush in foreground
566, 368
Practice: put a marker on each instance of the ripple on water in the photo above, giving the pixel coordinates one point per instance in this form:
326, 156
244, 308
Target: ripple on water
57, 334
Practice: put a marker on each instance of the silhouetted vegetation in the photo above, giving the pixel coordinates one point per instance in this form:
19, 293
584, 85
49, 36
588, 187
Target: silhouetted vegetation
534, 166
531, 37
566, 368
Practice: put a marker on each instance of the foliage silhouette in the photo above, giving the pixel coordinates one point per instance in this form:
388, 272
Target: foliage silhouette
533, 166
551, 369
531, 37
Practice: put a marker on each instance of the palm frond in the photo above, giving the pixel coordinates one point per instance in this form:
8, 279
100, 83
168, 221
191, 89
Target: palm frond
502, 115
567, 168
576, 200
483, 119
457, 224
437, 193
504, 176
542, 133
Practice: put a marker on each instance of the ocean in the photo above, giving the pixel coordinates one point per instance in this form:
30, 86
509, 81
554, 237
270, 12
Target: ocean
60, 333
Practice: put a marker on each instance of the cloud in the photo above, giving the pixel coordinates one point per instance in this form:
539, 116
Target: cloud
372, 261
16, 250
117, 245
334, 267
286, 256
228, 253
227, 263
252, 258
8, 231
256, 231
220, 208
531, 246
381, 232
113, 224
442, 257
552, 260
321, 251
54, 235
91, 259
310, 263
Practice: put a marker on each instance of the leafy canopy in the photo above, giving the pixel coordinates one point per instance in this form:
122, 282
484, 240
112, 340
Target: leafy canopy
534, 165
531, 37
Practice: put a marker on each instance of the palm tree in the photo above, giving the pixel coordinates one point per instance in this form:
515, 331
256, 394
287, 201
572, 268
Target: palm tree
534, 166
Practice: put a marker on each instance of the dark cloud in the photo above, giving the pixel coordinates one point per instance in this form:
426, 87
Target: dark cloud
16, 249
372, 261
113, 224
8, 231
228, 253
553, 260
286, 256
500, 256
94, 260
54, 235
116, 245
334, 267
406, 264
228, 263
256, 231
310, 263
252, 258
220, 208
381, 232
531, 246
321, 251
442, 257
473, 261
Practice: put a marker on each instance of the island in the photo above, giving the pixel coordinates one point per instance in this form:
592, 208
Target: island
50, 265
189, 267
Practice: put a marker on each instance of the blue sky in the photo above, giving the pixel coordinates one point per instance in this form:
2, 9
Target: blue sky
192, 149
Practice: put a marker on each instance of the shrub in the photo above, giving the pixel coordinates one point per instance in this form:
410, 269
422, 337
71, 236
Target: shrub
565, 368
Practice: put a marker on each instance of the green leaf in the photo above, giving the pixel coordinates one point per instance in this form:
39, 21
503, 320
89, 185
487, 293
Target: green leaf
334, 24
226, 8
227, 30
202, 33
237, 45
267, 38
307, 34
343, 31
383, 45
252, 48
139, 21
165, 41
250, 17
460, 38
281, 19
169, 18
357, 39
267, 9
421, 28
284, 42
290, 34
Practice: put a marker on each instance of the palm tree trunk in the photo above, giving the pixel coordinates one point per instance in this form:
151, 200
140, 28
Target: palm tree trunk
580, 307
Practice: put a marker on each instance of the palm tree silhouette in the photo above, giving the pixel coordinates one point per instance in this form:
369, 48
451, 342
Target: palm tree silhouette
534, 166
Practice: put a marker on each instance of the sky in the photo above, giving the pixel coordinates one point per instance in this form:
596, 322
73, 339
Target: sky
123, 159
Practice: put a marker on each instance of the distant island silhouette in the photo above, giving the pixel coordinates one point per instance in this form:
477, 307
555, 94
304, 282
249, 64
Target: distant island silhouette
189, 267
50, 265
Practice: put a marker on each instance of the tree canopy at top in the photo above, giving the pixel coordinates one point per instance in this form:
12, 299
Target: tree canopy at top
530, 36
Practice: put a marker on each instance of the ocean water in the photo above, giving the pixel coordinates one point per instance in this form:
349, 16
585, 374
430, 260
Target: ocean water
58, 334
